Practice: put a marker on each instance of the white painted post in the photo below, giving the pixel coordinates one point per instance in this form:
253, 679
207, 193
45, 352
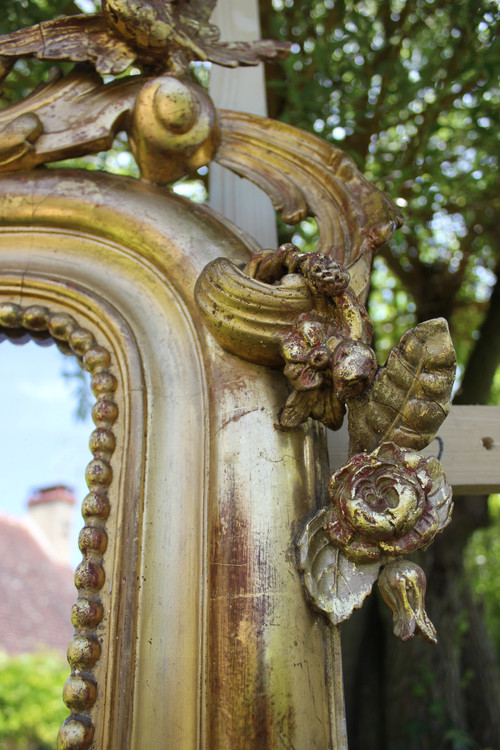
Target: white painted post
241, 89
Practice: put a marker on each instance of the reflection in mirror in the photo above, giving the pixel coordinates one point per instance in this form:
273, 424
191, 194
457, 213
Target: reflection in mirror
44, 450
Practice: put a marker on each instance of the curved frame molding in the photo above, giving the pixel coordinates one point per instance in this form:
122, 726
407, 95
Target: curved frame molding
198, 645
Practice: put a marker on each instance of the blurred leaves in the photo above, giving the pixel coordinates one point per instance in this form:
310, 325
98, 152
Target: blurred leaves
410, 89
31, 707
482, 564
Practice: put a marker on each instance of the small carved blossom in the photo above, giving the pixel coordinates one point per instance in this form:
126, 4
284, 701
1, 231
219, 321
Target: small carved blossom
389, 502
324, 369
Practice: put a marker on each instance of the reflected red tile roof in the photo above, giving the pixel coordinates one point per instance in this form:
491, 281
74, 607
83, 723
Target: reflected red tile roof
36, 593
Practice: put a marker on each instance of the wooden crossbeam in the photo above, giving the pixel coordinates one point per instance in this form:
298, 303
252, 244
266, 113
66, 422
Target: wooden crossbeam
468, 446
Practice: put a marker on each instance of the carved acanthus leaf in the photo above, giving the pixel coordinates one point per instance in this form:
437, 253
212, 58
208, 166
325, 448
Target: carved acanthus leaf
69, 116
306, 176
410, 396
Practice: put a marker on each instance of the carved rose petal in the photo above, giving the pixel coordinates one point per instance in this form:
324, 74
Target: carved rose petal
424, 532
294, 348
302, 377
339, 533
441, 495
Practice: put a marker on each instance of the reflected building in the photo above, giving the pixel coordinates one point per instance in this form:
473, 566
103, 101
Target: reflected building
36, 581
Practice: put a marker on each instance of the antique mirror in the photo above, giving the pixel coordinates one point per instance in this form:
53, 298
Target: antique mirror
219, 555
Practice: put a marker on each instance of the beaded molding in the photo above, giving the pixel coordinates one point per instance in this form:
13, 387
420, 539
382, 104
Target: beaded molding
80, 689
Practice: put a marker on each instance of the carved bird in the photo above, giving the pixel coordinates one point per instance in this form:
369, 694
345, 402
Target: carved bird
152, 33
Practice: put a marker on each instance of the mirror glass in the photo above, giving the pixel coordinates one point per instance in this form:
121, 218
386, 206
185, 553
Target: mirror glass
45, 428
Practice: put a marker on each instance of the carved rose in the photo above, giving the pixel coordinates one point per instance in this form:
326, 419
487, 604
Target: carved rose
389, 502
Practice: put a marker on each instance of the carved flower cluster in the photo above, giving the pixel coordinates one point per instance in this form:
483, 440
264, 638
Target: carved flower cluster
325, 368
389, 502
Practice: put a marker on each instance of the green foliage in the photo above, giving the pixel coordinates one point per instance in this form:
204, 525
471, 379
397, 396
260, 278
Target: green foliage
17, 14
410, 89
482, 561
31, 707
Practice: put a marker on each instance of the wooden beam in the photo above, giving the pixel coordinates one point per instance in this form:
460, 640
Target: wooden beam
468, 446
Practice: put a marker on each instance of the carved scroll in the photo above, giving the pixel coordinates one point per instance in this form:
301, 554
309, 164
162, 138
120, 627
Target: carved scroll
306, 176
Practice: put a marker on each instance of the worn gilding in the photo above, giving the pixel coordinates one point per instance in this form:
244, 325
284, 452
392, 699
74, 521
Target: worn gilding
198, 648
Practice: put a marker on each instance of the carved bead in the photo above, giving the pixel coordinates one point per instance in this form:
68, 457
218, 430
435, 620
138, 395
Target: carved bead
81, 340
63, 347
79, 693
102, 442
89, 575
104, 412
95, 504
61, 326
98, 473
75, 734
86, 613
35, 318
10, 315
92, 539
103, 383
97, 358
83, 652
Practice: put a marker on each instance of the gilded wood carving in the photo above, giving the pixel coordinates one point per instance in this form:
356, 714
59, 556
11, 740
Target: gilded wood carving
303, 313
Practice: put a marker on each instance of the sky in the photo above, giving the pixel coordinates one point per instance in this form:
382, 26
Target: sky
42, 443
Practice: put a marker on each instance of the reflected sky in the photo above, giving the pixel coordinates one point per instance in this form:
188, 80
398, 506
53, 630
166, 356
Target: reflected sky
42, 443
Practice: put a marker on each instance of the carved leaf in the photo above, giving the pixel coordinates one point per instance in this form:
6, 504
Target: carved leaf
232, 54
410, 396
336, 584
441, 494
68, 116
80, 38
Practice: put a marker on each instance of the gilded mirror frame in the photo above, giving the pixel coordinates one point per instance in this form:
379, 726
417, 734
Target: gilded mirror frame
206, 638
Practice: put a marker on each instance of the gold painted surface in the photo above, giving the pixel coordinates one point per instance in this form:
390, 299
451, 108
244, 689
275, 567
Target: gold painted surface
209, 495
158, 34
306, 176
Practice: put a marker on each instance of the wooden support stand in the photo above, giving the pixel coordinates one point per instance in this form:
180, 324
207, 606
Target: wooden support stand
468, 446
